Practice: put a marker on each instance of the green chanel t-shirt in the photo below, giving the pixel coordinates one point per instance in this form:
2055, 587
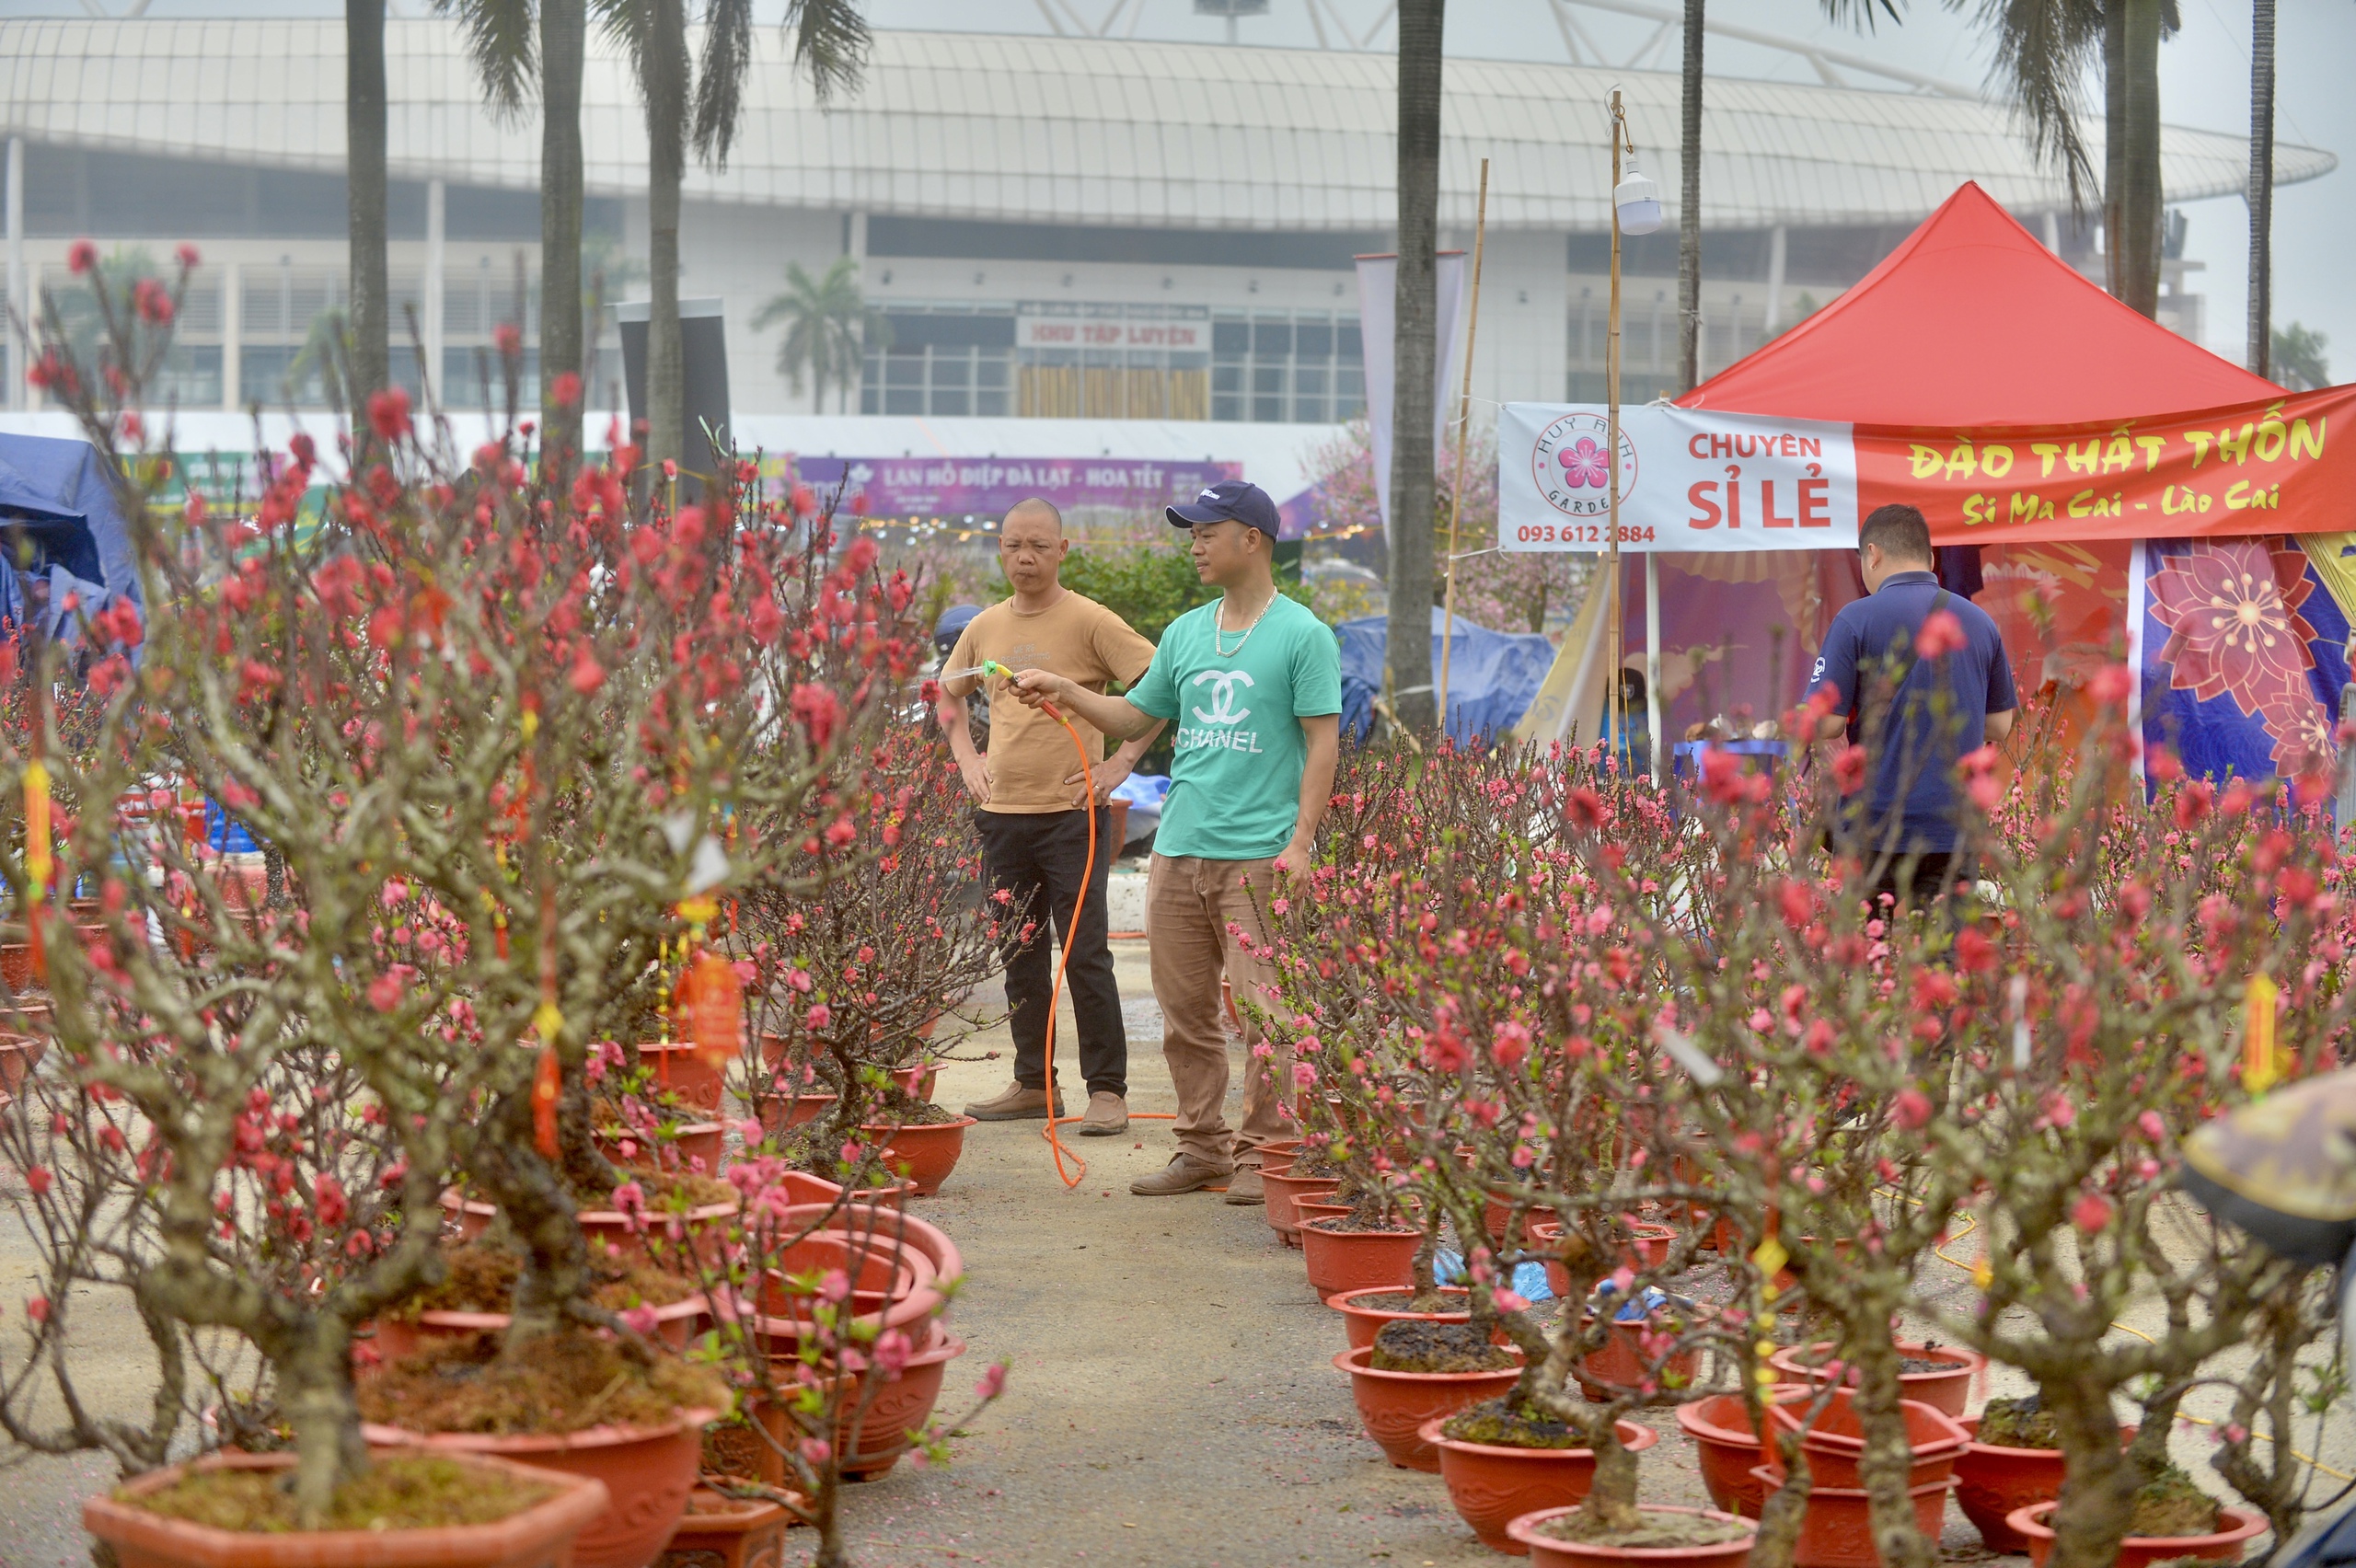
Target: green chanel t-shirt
1235, 785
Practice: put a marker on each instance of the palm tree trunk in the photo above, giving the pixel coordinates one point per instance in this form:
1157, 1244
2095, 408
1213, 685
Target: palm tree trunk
363, 129
2114, 137
1416, 311
2261, 187
1689, 209
2140, 202
563, 34
667, 136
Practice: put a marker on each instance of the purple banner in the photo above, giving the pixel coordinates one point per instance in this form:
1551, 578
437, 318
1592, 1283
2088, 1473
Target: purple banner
983, 489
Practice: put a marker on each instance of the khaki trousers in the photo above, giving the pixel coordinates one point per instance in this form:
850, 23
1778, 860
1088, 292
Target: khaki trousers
1190, 903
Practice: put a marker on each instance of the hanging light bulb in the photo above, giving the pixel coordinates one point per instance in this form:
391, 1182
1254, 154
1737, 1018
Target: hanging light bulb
1637, 200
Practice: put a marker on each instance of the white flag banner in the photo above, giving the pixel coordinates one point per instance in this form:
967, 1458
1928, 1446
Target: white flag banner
1690, 480
1378, 332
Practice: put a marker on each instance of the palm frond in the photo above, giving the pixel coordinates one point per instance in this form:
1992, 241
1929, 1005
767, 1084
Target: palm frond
503, 42
1861, 14
720, 84
628, 23
830, 43
2044, 48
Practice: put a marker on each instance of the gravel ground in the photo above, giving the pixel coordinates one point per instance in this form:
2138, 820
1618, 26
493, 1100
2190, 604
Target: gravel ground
1170, 1398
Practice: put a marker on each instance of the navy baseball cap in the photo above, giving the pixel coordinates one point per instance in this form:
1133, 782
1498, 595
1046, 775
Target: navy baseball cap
1229, 500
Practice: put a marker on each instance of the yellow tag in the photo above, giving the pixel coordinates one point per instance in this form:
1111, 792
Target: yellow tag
37, 855
547, 1020
2260, 1070
698, 911
1981, 1274
1770, 1257
531, 722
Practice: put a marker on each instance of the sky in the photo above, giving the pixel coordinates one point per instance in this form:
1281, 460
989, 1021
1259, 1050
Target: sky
2204, 82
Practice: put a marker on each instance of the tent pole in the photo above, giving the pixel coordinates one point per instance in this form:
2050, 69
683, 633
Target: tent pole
1652, 662
1614, 708
1463, 440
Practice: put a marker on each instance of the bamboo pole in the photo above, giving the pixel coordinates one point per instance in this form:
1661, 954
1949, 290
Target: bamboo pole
1463, 435
1614, 706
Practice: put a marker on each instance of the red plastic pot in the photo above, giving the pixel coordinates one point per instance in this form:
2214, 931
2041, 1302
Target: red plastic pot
687, 1070
719, 1532
1993, 1482
925, 1155
1492, 1485
902, 1407
2143, 1551
1360, 1324
1545, 1551
1394, 1406
779, 1112
647, 1472
917, 1081
541, 1534
398, 1339
1622, 1364
1836, 1442
1726, 1446
1837, 1531
17, 1054
696, 1144
659, 1237
1944, 1392
1284, 1190
1341, 1261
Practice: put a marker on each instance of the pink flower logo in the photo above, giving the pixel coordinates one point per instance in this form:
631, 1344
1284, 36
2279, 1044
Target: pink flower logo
1582, 464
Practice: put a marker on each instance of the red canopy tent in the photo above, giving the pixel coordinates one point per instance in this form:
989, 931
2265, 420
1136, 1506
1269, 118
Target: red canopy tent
1971, 320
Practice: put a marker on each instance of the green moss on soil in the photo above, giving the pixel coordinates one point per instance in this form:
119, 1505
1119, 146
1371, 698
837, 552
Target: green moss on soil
481, 1277
562, 1382
1507, 1425
410, 1492
2018, 1423
2172, 1503
1414, 1345
1657, 1530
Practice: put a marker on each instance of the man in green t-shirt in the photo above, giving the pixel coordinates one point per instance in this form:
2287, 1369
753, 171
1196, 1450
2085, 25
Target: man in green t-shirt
1253, 683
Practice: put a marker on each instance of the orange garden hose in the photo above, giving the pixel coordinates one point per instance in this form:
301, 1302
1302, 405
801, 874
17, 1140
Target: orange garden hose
1076, 1172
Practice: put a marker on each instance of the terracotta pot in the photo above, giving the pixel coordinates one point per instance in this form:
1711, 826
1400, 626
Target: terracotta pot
17, 965
1837, 1531
1726, 1446
1547, 1552
870, 1213
1492, 1485
2142, 1551
902, 1407
1944, 1390
1313, 1207
1284, 1190
1622, 1364
647, 1470
1394, 1406
398, 1339
1354, 1260
662, 1237
925, 1155
539, 1535
697, 1146
1836, 1442
682, 1068
1991, 1482
17, 1054
719, 1532
779, 1112
1360, 1324
918, 1080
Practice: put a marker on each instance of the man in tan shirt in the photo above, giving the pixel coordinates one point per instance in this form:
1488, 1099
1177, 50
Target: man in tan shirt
1033, 811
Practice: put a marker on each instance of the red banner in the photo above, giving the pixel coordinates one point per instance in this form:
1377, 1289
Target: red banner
2252, 468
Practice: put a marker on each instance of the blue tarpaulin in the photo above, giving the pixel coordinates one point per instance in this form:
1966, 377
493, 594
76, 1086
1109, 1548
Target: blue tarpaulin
1492, 675
58, 492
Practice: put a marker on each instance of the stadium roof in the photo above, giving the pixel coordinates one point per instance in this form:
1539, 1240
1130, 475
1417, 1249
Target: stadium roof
1071, 130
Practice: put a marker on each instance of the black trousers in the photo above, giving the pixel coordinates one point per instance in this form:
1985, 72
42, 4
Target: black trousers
1039, 858
1928, 881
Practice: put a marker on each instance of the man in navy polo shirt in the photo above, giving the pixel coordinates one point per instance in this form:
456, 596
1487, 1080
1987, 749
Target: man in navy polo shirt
1917, 704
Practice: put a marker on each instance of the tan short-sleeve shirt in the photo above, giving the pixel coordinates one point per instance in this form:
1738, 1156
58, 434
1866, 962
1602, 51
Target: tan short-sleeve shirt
1077, 638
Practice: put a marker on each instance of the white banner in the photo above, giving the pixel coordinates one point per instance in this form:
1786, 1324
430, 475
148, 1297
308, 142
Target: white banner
1690, 480
1378, 307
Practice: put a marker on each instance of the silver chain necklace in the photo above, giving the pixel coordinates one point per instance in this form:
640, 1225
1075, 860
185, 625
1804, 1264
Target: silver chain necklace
1219, 632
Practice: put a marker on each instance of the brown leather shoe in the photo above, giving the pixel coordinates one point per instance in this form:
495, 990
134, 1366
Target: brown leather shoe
1185, 1173
1246, 1187
1108, 1115
1015, 1104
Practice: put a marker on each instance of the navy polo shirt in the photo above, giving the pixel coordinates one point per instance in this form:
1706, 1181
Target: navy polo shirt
1911, 805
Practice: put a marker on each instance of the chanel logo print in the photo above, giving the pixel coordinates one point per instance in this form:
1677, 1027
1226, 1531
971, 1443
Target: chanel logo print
1223, 684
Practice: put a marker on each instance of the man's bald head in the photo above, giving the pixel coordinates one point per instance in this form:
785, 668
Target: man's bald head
1031, 547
